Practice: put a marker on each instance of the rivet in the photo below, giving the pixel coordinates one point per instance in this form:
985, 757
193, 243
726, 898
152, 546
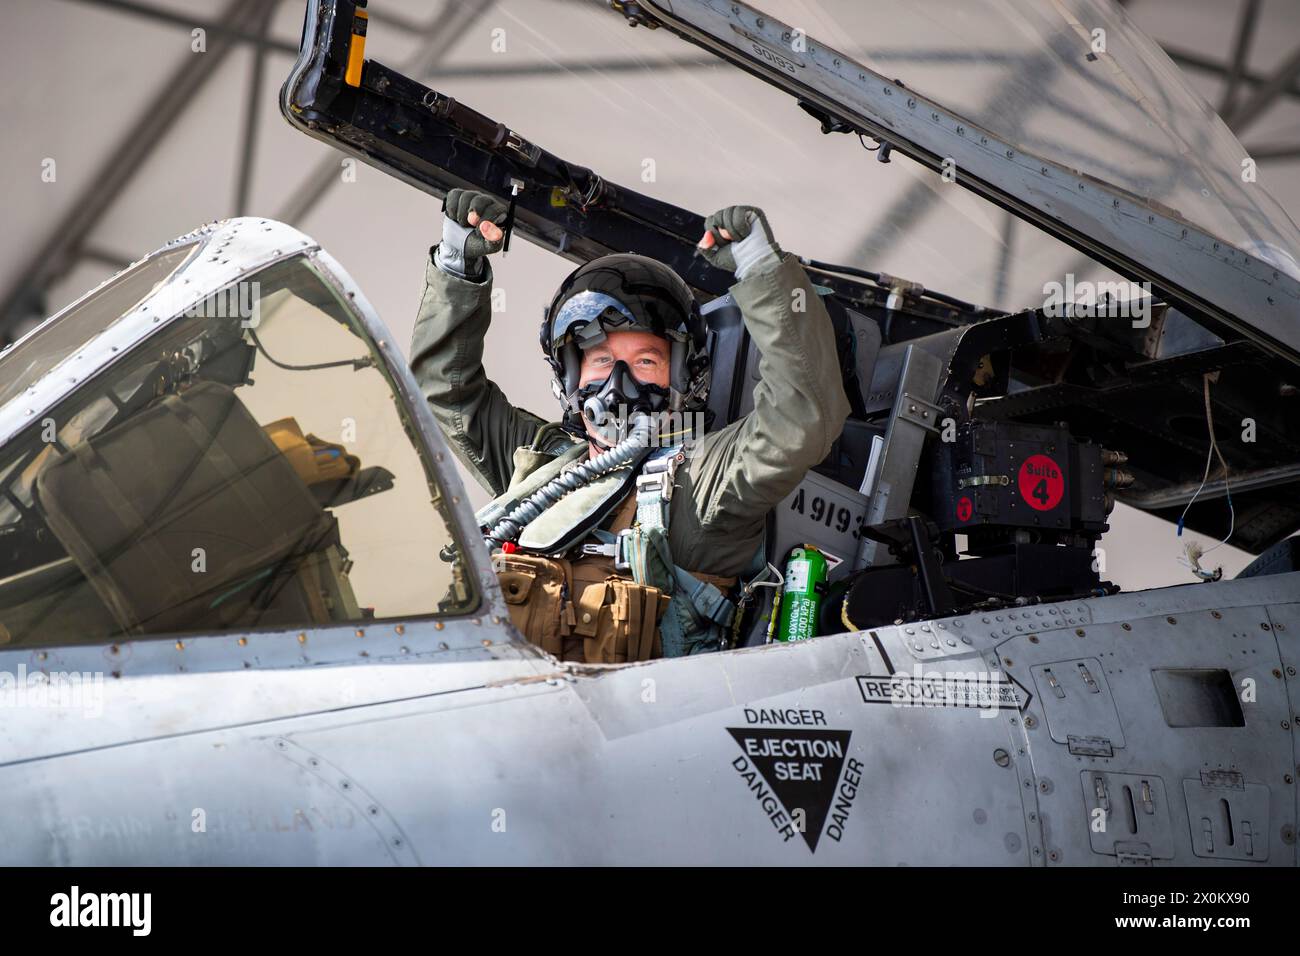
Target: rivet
302, 638
438, 625
180, 645
400, 629
1127, 626
243, 642
1171, 620
487, 642
361, 632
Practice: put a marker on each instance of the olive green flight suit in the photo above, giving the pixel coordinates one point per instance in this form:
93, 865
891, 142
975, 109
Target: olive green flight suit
733, 477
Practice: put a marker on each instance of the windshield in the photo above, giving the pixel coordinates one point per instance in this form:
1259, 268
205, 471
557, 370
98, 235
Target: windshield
247, 467
1073, 81
49, 344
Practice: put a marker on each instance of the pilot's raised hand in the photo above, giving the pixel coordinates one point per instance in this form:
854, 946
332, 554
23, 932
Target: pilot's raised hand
739, 240
471, 229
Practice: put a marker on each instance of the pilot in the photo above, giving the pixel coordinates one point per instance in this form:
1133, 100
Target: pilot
613, 538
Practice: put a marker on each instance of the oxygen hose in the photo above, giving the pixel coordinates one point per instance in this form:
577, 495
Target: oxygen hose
631, 448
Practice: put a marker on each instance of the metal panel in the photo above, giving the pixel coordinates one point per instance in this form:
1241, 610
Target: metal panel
1077, 700
1228, 823
1128, 815
913, 418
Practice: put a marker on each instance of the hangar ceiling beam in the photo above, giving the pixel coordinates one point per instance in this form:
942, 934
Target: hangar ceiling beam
213, 28
218, 28
1259, 101
57, 255
1195, 61
1240, 50
252, 111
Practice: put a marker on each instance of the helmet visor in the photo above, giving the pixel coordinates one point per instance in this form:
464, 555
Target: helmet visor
588, 306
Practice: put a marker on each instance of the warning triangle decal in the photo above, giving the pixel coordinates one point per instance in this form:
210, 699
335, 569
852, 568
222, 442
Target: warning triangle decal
802, 768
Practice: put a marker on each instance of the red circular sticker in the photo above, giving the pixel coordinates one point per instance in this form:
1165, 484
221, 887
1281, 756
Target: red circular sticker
1042, 484
964, 508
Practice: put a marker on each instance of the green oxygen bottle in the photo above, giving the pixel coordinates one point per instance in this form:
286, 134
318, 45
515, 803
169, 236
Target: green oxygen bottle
805, 577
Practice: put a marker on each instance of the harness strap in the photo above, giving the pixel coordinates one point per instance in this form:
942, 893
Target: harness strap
700, 615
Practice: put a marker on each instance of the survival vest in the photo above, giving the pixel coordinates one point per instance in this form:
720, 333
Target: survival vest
606, 595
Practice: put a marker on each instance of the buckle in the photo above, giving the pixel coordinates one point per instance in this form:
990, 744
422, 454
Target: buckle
600, 550
620, 550
656, 484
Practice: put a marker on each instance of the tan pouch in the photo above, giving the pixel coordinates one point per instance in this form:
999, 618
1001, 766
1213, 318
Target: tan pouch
314, 459
534, 587
625, 621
